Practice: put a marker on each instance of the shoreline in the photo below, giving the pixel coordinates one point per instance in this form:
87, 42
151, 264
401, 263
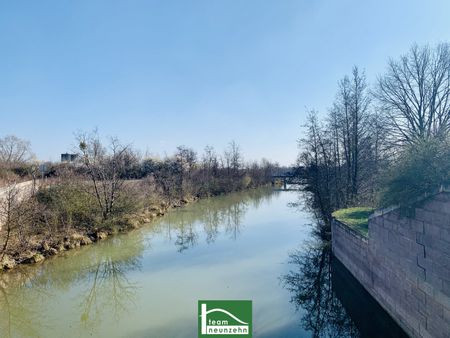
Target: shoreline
44, 247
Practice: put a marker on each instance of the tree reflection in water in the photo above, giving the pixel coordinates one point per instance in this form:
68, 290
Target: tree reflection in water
107, 287
17, 318
211, 217
310, 284
330, 299
100, 272
99, 275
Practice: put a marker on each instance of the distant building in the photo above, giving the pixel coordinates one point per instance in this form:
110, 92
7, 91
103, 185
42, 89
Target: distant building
68, 157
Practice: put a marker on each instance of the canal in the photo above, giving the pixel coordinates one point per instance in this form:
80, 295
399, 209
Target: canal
250, 245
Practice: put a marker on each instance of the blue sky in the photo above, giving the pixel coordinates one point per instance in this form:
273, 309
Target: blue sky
158, 74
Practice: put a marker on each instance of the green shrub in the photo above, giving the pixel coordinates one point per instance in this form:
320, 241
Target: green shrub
421, 168
67, 206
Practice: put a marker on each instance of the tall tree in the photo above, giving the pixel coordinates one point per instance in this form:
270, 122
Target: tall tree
415, 93
359, 112
340, 152
236, 158
348, 123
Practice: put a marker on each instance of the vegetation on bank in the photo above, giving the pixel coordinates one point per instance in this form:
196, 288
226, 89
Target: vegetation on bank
357, 218
110, 188
422, 168
384, 144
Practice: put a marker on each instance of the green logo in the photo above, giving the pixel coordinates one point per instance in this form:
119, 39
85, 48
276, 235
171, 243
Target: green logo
225, 318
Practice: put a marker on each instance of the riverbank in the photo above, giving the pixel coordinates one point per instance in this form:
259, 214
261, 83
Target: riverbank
44, 246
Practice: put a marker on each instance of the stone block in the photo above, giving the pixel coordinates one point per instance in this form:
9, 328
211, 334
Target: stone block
434, 280
441, 246
438, 207
407, 232
445, 234
441, 220
390, 223
420, 250
417, 225
432, 230
405, 314
440, 258
424, 262
443, 197
424, 215
446, 315
376, 222
437, 327
443, 300
445, 287
434, 309
420, 238
424, 333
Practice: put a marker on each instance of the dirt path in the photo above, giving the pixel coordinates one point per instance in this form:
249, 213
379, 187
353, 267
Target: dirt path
24, 189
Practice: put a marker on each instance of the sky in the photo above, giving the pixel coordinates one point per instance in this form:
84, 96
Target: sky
158, 74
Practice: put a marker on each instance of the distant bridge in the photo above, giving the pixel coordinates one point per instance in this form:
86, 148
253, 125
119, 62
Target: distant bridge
287, 178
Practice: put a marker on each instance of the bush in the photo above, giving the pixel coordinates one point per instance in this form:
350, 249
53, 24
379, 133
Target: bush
66, 206
422, 168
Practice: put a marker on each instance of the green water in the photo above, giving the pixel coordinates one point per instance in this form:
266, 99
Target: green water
146, 283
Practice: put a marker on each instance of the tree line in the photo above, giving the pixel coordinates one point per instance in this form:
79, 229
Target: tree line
109, 186
385, 143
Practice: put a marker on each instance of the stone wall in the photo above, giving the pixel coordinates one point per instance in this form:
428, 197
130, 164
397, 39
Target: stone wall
404, 263
352, 249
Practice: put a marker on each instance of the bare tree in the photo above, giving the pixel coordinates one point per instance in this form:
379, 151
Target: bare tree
341, 154
209, 160
226, 161
415, 93
16, 211
315, 156
235, 156
14, 150
105, 169
359, 112
8, 216
349, 127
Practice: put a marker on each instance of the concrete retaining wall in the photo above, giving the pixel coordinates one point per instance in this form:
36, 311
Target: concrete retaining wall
405, 264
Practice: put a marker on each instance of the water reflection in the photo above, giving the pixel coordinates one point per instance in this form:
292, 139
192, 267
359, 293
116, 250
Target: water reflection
331, 301
311, 288
107, 286
16, 316
211, 217
99, 276
97, 279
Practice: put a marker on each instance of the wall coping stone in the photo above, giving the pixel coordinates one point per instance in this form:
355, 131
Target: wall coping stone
354, 232
383, 211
